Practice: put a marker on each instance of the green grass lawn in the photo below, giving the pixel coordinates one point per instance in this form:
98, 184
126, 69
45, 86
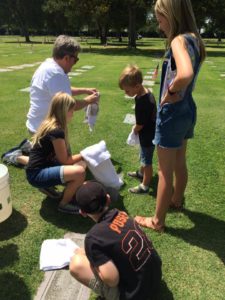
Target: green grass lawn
193, 247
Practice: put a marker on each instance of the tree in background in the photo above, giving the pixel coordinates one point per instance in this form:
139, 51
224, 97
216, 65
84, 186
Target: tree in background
99, 16
216, 17
118, 18
136, 8
105, 14
210, 16
57, 17
25, 14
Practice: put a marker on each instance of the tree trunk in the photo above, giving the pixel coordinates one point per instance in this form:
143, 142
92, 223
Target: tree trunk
103, 34
119, 35
132, 27
27, 38
25, 33
103, 39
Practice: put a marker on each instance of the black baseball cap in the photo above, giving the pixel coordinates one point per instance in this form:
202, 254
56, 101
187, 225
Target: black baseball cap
91, 197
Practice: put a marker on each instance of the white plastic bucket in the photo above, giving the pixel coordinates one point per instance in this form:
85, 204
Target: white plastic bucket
5, 198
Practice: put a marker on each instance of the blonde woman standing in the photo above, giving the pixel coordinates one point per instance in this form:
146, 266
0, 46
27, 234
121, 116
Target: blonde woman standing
50, 163
176, 115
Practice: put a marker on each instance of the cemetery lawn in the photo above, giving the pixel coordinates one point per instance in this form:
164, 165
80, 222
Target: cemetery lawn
193, 247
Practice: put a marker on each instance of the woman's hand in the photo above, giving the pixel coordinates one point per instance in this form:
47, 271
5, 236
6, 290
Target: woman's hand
170, 98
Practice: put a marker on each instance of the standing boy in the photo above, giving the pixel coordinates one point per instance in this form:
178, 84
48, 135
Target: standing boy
119, 261
145, 114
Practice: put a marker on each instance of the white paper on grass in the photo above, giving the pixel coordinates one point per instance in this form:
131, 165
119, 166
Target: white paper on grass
148, 82
16, 67
5, 70
81, 70
129, 119
27, 65
128, 97
88, 67
27, 89
74, 74
147, 77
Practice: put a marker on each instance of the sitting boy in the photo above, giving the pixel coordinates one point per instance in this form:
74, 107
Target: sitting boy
119, 261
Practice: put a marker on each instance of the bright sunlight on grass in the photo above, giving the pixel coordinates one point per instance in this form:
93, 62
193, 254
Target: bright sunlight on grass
193, 248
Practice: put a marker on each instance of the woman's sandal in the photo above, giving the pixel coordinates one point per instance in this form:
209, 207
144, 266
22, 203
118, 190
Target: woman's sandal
177, 207
149, 223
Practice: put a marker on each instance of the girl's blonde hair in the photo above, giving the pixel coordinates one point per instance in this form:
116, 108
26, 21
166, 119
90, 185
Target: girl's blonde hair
130, 76
57, 117
180, 16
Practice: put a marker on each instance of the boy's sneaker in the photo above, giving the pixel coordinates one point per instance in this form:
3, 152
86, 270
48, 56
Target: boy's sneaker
138, 190
69, 208
51, 192
10, 158
135, 174
25, 146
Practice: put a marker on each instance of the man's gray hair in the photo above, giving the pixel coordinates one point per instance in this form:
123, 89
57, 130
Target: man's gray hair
65, 45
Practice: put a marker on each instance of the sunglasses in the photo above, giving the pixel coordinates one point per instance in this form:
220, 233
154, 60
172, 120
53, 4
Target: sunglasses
75, 57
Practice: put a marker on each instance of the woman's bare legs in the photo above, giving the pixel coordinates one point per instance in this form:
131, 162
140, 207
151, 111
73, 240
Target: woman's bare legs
166, 165
170, 162
166, 162
181, 175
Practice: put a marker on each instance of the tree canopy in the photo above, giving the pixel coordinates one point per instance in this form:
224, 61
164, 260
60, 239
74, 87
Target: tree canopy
98, 17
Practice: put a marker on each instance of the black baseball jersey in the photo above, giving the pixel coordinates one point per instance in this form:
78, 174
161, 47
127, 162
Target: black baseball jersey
118, 237
145, 114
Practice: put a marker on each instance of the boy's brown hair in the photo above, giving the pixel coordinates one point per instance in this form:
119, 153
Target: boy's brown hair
130, 76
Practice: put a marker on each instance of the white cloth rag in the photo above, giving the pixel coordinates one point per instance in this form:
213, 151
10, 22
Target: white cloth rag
99, 163
133, 139
95, 154
56, 253
91, 114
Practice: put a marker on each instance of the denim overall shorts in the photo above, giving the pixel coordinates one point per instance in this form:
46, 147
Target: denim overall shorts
175, 121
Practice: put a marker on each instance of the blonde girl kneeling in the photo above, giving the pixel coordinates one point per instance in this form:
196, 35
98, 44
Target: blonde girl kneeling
50, 162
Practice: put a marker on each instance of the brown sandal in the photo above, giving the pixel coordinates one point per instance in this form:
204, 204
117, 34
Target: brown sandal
177, 207
149, 223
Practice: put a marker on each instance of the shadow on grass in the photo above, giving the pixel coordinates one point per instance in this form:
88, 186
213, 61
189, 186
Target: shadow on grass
208, 233
165, 293
9, 254
73, 223
215, 54
13, 226
157, 53
153, 187
30, 43
19, 290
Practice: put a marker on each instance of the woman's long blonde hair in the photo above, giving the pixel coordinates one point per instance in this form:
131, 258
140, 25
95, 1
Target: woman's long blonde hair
180, 16
57, 117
